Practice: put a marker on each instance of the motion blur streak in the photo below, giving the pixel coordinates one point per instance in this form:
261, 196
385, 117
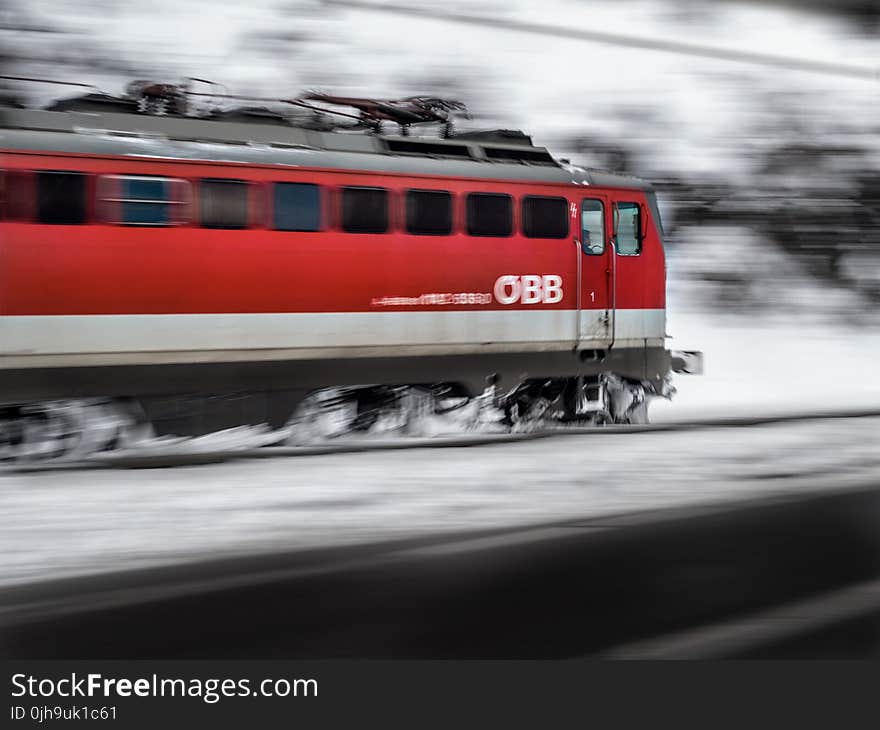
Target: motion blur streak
617, 39
753, 129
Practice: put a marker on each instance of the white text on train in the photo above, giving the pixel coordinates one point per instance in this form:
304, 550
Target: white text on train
528, 289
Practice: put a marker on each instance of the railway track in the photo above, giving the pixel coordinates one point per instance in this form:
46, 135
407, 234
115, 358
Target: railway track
193, 452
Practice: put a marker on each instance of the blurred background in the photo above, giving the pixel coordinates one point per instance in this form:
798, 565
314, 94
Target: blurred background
758, 123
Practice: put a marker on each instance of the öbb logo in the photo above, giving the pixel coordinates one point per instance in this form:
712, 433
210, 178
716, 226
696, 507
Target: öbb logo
528, 289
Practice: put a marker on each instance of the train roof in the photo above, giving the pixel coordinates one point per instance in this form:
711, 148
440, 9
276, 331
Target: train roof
263, 139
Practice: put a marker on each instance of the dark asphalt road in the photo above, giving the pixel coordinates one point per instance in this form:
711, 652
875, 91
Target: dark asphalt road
571, 589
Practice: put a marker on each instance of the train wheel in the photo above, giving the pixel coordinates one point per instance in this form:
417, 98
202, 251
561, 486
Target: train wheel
45, 431
69, 430
322, 415
638, 414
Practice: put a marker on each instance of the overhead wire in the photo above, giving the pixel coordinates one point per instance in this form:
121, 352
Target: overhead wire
500, 22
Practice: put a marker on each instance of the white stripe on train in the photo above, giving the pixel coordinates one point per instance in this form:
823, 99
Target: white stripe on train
60, 340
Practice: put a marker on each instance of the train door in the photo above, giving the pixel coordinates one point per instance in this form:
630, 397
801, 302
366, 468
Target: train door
629, 265
595, 274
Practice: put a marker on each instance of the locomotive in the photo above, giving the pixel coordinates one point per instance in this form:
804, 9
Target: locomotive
190, 271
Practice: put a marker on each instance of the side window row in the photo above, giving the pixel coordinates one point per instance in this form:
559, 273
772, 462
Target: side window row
59, 197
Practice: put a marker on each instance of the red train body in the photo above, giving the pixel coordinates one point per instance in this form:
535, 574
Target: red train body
188, 257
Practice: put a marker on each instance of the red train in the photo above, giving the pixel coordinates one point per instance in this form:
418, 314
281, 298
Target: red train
218, 269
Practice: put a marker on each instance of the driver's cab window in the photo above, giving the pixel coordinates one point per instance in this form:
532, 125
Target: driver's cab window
593, 227
628, 229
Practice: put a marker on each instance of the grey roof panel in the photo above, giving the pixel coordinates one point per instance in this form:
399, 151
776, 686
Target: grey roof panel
237, 142
268, 154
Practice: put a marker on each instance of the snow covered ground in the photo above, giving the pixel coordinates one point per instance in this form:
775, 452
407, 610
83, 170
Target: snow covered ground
756, 368
797, 347
70, 523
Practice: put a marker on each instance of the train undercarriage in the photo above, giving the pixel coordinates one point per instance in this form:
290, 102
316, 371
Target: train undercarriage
70, 413
76, 428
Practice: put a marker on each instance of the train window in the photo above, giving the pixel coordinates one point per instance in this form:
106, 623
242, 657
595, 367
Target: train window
428, 212
364, 210
489, 214
628, 226
223, 203
593, 227
544, 217
17, 195
61, 198
140, 200
296, 207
